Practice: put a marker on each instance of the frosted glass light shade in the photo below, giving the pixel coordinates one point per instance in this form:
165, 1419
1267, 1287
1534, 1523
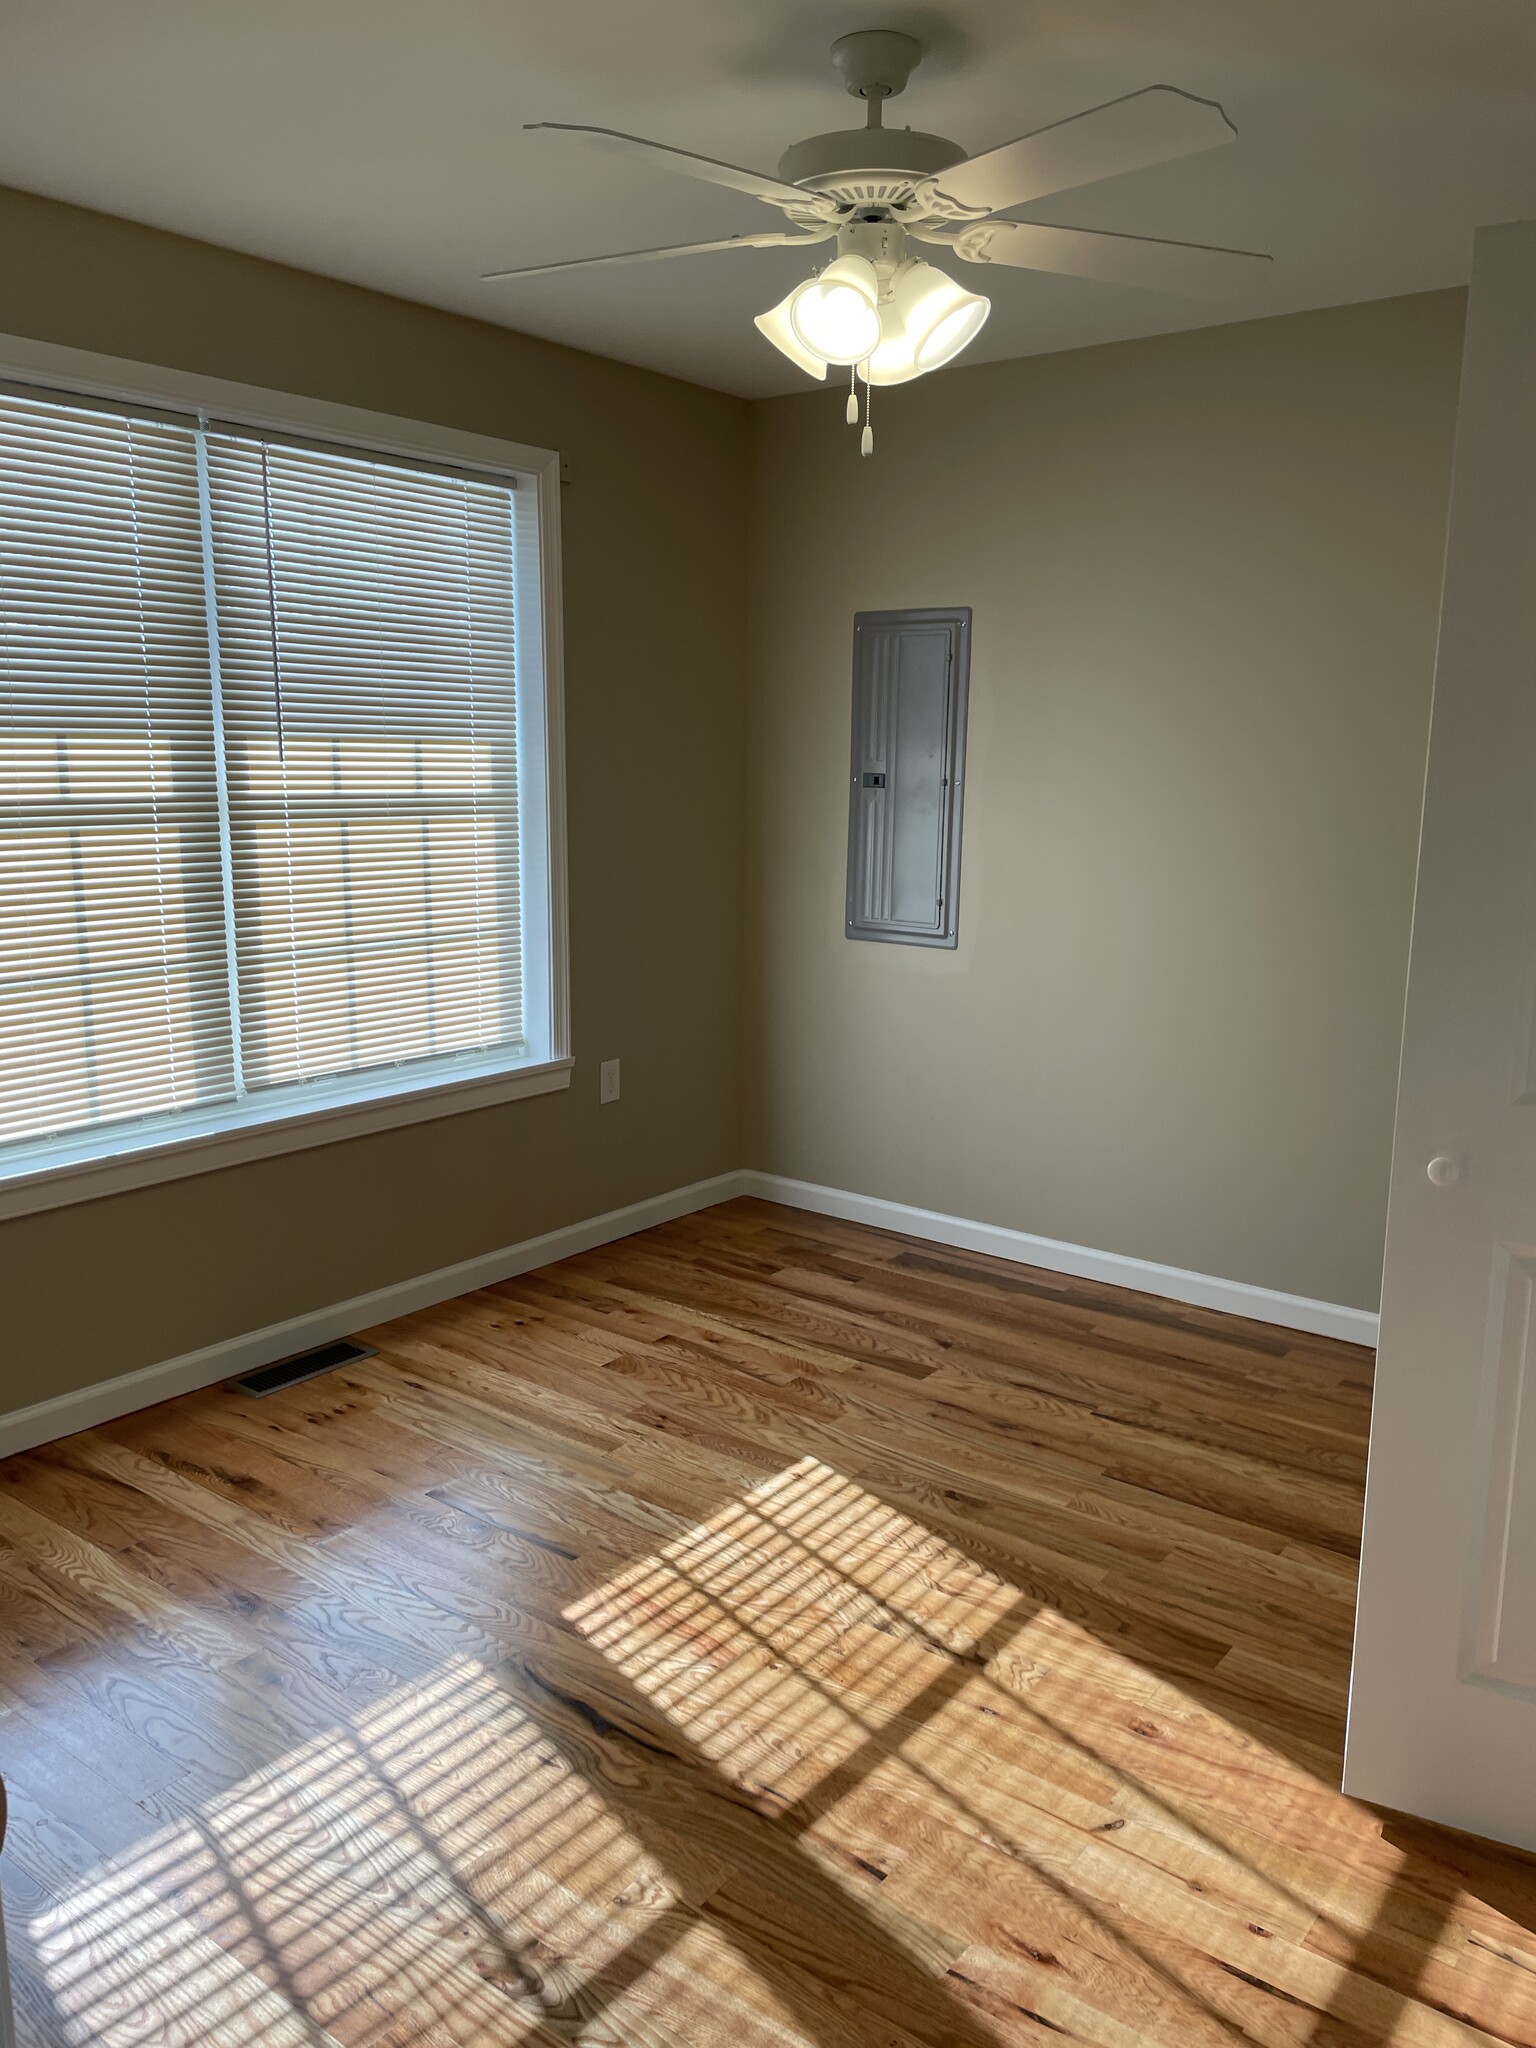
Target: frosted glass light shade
834, 316
893, 361
940, 317
775, 324
957, 330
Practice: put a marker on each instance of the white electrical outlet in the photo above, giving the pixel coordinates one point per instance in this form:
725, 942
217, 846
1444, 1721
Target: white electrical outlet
608, 1081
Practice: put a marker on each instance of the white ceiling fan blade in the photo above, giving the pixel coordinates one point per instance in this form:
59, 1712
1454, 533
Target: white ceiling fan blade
1188, 267
1148, 127
765, 241
756, 184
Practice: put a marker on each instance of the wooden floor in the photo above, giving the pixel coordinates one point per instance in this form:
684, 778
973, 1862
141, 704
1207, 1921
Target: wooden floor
761, 1631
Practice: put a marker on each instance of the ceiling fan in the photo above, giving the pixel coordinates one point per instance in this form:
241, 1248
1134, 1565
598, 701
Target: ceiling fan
880, 311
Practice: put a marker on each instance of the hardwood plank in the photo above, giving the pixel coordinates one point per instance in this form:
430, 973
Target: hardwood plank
759, 1633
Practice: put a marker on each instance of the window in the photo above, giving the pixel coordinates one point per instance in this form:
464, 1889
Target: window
275, 793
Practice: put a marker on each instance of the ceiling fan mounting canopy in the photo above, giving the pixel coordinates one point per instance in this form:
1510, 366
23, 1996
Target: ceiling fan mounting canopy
875, 63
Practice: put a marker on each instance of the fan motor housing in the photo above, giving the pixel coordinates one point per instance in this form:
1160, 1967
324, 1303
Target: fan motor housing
867, 166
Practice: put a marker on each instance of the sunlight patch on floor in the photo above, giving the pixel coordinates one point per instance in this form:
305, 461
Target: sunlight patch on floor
439, 1854
873, 1720
914, 1724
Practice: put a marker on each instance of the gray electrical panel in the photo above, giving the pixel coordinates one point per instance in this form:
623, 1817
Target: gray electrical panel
910, 674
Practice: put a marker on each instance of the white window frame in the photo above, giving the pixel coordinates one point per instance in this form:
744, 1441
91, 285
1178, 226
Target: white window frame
81, 1167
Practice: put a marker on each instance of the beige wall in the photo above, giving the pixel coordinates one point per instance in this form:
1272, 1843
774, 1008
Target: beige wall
654, 585
1205, 572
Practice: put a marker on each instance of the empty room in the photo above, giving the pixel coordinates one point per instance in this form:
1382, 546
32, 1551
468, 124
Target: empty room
767, 1110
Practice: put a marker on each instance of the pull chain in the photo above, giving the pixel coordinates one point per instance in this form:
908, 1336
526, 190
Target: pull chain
851, 413
867, 438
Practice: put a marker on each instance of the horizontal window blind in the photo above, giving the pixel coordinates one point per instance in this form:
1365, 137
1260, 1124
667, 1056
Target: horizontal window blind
113, 997
258, 768
365, 648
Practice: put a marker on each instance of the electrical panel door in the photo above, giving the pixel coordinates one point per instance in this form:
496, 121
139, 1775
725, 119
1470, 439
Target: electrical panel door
910, 673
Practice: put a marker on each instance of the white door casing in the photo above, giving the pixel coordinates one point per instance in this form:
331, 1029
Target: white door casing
1443, 1697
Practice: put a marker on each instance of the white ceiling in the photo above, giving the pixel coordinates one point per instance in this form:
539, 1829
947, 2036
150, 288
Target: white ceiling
381, 141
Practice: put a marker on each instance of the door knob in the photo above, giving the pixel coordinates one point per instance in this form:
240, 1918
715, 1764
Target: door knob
1443, 1172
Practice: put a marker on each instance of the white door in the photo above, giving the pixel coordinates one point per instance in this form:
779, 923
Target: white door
1443, 1702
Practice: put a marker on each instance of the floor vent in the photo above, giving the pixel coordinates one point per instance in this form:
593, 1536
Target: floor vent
307, 1366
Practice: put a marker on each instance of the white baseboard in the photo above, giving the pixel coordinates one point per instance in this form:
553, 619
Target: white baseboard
1236, 1297
88, 1406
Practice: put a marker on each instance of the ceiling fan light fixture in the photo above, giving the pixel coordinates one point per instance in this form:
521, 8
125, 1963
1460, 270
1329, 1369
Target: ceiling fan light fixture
775, 326
939, 316
835, 316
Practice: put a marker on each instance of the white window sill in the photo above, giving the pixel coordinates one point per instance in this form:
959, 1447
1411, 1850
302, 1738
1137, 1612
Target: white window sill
140, 1158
